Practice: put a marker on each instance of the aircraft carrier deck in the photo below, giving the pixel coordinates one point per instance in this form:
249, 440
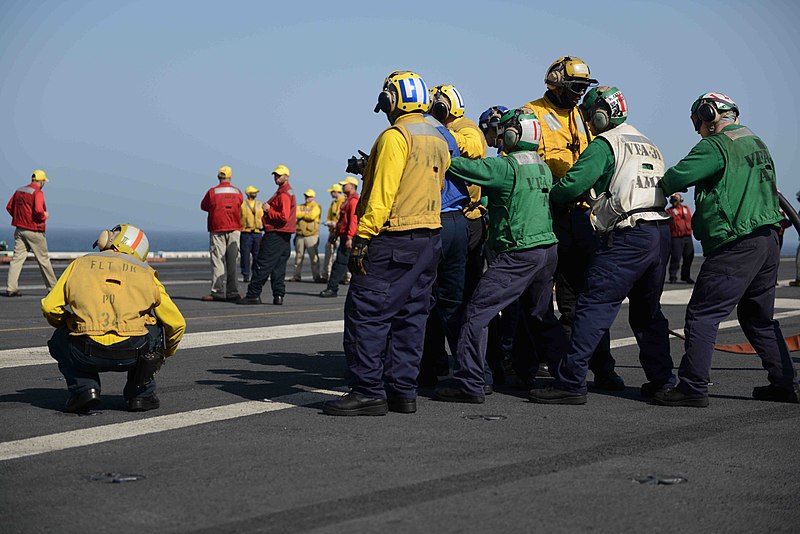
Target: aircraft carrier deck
240, 445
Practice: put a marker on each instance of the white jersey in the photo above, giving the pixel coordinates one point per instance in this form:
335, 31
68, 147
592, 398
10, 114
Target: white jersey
638, 168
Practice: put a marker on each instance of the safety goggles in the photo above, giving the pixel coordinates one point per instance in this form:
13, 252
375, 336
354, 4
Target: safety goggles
577, 87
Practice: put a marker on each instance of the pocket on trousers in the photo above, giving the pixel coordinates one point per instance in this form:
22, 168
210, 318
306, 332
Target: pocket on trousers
405, 257
369, 294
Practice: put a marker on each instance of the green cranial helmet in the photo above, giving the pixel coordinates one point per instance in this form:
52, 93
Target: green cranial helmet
604, 106
720, 101
520, 130
709, 107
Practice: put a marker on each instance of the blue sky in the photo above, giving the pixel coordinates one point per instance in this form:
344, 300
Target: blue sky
131, 107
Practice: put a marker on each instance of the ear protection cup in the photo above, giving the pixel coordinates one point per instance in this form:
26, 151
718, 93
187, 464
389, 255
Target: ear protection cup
104, 240
600, 120
386, 102
440, 110
512, 132
556, 75
707, 112
511, 136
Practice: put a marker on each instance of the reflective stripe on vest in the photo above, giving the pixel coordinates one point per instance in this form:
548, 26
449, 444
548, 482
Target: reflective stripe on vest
219, 190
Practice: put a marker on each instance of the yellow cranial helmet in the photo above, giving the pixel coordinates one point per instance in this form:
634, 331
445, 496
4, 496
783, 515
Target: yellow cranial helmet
569, 72
403, 90
446, 101
125, 238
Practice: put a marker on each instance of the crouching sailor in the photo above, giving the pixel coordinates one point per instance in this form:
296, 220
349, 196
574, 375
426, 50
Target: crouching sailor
111, 313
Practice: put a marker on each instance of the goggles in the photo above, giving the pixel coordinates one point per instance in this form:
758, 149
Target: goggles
576, 87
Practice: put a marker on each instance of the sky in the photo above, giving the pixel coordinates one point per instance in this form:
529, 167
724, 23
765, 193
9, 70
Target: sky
131, 107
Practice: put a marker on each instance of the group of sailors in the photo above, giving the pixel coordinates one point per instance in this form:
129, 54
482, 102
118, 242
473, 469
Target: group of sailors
444, 244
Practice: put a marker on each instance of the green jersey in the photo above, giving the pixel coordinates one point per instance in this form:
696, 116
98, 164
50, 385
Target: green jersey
517, 187
735, 187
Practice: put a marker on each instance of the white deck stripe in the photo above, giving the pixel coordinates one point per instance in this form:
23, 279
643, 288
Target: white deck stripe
141, 427
41, 355
11, 358
105, 433
627, 341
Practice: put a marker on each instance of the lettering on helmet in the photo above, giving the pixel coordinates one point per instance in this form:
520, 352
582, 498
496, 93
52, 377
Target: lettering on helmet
411, 89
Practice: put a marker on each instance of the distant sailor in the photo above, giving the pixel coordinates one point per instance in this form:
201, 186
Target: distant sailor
251, 213
111, 313
29, 215
223, 205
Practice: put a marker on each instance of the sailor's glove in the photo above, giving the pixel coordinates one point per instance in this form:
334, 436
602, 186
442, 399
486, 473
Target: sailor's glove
357, 256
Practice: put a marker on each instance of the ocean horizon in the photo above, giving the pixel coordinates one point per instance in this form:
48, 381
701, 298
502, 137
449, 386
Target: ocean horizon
81, 240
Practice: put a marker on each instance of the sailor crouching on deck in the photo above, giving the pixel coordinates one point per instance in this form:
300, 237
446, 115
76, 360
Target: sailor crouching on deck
111, 313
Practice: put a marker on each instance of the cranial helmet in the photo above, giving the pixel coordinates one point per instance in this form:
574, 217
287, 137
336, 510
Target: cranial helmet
446, 101
710, 106
520, 130
604, 106
491, 117
571, 73
405, 91
125, 238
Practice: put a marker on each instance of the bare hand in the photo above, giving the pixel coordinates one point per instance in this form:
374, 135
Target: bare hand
349, 243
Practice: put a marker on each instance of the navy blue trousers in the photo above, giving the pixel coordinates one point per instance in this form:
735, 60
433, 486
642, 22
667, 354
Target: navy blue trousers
475, 257
386, 311
509, 275
249, 244
577, 243
82, 372
741, 275
630, 264
445, 318
339, 268
273, 254
682, 248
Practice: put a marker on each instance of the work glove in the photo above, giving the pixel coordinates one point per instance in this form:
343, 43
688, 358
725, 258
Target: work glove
357, 256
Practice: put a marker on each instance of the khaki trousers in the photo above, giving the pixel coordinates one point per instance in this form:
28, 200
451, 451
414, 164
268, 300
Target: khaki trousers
33, 241
330, 255
224, 249
301, 244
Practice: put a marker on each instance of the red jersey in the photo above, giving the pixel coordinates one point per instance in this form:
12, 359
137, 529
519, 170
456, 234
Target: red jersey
282, 213
27, 208
347, 227
222, 204
681, 223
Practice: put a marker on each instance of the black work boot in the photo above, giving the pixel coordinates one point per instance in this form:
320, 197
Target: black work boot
84, 401
143, 404
774, 393
356, 404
